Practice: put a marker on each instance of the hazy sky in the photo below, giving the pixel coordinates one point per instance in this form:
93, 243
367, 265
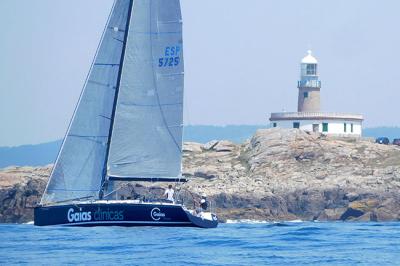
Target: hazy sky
241, 58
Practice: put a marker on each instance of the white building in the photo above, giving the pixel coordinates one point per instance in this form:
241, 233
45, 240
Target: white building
308, 116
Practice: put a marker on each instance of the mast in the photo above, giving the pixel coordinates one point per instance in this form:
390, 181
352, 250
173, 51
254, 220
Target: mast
104, 181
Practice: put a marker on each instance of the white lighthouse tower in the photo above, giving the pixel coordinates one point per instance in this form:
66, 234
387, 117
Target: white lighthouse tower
309, 116
309, 85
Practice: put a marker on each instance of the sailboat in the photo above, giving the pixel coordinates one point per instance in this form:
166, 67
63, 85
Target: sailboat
127, 127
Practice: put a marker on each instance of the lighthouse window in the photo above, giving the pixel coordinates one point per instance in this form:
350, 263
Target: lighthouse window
311, 69
296, 125
324, 127
305, 94
345, 127
351, 128
274, 125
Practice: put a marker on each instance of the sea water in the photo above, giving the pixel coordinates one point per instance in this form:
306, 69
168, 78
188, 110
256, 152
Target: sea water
286, 243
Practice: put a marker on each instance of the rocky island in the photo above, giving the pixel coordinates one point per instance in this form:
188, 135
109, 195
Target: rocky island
279, 174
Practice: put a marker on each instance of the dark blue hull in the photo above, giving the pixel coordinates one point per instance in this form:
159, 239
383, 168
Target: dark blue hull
119, 214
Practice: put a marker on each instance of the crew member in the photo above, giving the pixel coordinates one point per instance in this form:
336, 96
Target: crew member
169, 192
204, 202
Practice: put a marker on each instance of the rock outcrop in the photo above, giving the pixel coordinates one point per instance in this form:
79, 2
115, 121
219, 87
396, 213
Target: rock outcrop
292, 174
20, 190
280, 174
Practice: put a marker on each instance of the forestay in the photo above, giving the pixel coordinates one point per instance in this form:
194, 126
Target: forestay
146, 137
80, 165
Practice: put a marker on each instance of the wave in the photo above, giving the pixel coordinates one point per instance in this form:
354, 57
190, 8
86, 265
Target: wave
249, 221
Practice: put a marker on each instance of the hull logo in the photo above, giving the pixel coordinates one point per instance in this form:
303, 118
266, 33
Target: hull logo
99, 215
78, 216
156, 214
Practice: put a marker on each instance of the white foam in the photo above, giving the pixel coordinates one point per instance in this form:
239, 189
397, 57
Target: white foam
246, 221
249, 221
294, 221
31, 222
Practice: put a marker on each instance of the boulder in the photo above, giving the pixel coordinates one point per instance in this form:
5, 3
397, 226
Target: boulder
224, 146
210, 145
331, 214
192, 147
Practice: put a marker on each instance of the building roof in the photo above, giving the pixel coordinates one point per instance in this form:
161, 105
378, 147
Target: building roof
309, 59
315, 116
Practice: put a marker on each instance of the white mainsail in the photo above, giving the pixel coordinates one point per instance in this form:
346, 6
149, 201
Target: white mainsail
147, 130
80, 164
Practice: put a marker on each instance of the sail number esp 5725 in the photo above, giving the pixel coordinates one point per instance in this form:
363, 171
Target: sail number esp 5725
171, 57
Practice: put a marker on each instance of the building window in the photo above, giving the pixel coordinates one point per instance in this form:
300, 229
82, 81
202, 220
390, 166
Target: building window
305, 94
324, 127
274, 125
352, 128
345, 127
296, 125
311, 69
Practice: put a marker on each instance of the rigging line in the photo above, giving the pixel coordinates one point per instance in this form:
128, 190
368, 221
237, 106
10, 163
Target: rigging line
151, 179
86, 136
150, 105
114, 191
106, 64
92, 139
105, 117
102, 84
76, 107
157, 33
74, 190
156, 88
121, 41
170, 22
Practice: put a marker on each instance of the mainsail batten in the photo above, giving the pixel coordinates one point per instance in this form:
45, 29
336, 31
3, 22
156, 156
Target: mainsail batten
79, 167
147, 131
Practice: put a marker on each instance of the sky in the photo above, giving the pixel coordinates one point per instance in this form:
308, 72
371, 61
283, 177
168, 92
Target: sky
241, 60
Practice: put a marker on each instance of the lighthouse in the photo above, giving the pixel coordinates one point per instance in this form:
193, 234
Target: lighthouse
309, 116
309, 85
